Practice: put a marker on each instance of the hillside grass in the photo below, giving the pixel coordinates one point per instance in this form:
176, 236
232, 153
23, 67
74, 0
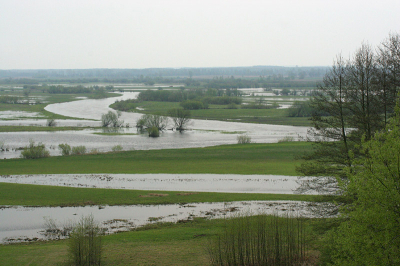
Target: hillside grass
159, 244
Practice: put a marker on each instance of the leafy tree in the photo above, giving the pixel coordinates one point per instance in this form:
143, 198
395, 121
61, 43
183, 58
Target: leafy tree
180, 117
370, 236
149, 121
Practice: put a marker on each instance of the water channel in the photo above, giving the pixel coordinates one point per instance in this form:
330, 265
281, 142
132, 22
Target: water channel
25, 224
202, 133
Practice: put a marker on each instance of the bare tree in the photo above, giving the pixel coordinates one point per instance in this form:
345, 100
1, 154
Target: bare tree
180, 117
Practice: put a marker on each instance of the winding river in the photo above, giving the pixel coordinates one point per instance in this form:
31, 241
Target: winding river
202, 133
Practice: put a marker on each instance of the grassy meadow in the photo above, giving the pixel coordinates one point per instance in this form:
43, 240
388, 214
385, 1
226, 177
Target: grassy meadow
159, 244
272, 159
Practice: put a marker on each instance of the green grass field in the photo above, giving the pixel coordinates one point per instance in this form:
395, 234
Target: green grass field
274, 159
221, 112
159, 244
35, 195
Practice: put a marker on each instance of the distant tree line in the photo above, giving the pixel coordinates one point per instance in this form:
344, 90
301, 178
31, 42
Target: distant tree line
130, 74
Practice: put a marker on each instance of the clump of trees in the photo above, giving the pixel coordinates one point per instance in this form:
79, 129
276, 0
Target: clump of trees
355, 100
369, 235
111, 119
153, 124
357, 143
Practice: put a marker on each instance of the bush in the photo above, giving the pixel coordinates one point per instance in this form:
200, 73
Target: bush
232, 106
51, 122
117, 148
65, 149
84, 245
286, 139
243, 139
192, 105
35, 151
259, 240
153, 132
78, 150
300, 109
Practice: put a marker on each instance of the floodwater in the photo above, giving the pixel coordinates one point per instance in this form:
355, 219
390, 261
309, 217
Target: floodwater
25, 224
202, 133
230, 183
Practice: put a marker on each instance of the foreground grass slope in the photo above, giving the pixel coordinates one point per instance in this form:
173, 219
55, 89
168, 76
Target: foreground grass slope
275, 159
165, 244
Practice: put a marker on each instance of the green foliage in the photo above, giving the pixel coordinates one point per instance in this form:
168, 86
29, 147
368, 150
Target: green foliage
125, 105
259, 106
193, 105
65, 149
286, 139
153, 132
85, 247
78, 150
259, 240
149, 121
35, 151
10, 99
59, 89
300, 109
370, 234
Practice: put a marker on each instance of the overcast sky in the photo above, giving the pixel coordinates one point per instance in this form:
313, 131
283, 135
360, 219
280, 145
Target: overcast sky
37, 34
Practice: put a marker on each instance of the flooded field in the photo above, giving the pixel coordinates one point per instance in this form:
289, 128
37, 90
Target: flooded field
25, 224
202, 133
169, 182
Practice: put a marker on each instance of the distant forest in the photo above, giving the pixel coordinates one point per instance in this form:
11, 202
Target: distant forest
127, 75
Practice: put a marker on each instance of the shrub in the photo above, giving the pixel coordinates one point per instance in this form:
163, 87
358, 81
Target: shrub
286, 139
35, 151
84, 245
192, 105
51, 122
259, 240
232, 106
243, 139
65, 149
153, 132
78, 150
117, 148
